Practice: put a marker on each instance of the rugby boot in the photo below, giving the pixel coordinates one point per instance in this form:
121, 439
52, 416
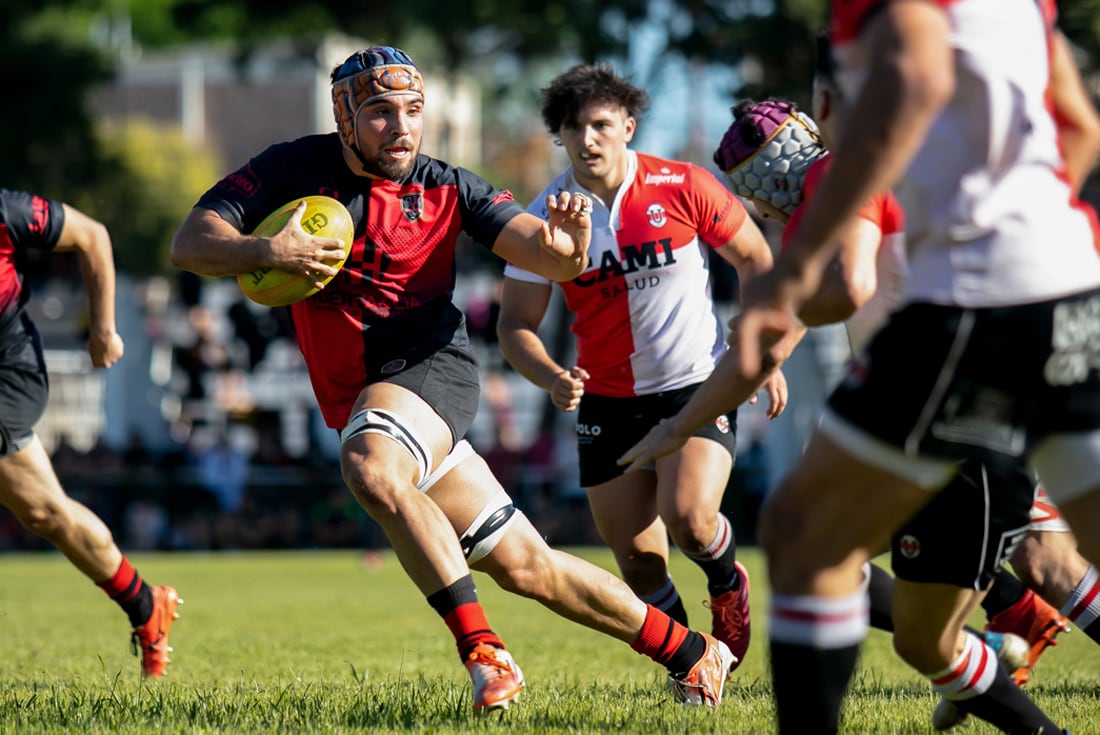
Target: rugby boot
497, 679
704, 682
1037, 622
152, 637
730, 621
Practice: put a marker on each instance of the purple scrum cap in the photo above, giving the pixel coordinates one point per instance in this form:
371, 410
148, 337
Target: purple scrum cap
767, 150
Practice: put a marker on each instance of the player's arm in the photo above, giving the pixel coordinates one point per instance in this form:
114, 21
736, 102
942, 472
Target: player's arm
850, 279
724, 390
747, 251
1077, 120
92, 243
911, 78
209, 245
522, 307
556, 248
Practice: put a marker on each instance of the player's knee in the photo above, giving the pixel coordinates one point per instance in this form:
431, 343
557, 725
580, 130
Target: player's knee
691, 531
373, 484
925, 653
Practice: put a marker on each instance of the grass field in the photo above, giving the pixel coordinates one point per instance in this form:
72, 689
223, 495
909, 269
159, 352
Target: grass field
304, 642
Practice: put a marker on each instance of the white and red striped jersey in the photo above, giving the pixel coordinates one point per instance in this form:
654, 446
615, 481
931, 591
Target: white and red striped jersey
645, 320
990, 214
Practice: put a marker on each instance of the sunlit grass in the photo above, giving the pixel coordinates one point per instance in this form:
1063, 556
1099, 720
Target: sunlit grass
304, 642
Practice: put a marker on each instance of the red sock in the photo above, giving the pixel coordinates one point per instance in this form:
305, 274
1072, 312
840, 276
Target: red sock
470, 628
128, 589
667, 642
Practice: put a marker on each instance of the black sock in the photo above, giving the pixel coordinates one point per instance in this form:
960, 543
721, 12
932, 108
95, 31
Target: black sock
718, 561
1005, 592
880, 591
1005, 706
677, 612
687, 654
810, 684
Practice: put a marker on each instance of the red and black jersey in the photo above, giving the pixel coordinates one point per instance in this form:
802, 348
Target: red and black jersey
26, 221
396, 289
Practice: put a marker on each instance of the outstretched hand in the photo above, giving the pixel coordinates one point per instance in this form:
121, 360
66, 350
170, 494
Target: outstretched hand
568, 231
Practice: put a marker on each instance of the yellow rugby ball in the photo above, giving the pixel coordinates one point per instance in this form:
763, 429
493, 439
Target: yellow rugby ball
324, 217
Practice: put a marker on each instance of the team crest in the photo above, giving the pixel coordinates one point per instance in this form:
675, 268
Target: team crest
413, 206
723, 424
909, 546
393, 366
655, 213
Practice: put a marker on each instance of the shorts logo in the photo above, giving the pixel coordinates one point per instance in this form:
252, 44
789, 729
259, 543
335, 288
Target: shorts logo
586, 430
413, 206
655, 213
393, 366
909, 546
723, 424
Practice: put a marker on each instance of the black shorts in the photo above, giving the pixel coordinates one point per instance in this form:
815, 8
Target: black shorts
607, 427
447, 379
984, 384
24, 385
964, 535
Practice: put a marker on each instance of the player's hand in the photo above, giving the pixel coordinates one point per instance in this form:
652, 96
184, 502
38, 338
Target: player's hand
105, 348
662, 439
567, 389
296, 251
776, 388
568, 231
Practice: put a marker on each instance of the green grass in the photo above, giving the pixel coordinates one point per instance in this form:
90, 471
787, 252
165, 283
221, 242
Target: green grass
320, 643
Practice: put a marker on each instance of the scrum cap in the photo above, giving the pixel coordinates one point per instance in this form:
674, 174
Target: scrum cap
767, 150
368, 75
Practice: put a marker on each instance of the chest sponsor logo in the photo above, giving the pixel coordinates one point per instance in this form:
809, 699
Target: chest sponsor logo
630, 260
664, 177
655, 213
413, 206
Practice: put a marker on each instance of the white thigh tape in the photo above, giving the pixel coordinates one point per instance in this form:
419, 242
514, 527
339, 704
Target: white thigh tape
377, 421
479, 540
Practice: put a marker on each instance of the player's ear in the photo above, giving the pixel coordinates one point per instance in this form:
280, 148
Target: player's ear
631, 125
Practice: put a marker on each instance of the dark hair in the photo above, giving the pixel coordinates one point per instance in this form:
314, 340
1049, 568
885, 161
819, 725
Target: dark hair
824, 61
566, 94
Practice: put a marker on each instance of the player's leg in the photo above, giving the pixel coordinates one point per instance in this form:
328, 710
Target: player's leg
392, 442
690, 486
1048, 561
944, 558
819, 526
500, 541
30, 489
623, 506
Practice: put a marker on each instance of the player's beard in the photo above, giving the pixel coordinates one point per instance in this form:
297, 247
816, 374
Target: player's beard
389, 168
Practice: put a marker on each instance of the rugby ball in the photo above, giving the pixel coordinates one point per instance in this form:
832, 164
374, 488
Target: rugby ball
324, 217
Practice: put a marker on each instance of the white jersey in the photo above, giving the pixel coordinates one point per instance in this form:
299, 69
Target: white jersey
645, 320
989, 212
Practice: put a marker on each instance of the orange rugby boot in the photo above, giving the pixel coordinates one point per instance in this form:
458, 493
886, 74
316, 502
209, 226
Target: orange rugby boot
704, 683
1036, 621
152, 638
497, 679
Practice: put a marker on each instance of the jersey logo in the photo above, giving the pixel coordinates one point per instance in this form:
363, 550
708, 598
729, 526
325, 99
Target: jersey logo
909, 546
243, 181
655, 213
722, 423
665, 177
413, 206
41, 213
393, 366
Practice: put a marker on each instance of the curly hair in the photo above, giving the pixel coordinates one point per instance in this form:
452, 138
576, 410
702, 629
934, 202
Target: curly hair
566, 94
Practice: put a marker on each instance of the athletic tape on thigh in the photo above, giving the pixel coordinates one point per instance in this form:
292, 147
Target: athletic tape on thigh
488, 528
376, 421
460, 452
